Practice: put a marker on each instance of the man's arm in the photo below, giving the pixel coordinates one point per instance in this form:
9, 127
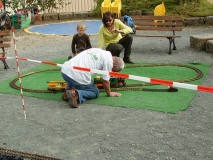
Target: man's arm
106, 85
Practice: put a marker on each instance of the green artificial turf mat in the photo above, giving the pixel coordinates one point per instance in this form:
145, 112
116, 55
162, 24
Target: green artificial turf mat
171, 102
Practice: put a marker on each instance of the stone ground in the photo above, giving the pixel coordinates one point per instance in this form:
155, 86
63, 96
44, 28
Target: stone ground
94, 132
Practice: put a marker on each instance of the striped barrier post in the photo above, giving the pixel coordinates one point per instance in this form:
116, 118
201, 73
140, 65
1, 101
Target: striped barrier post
19, 75
127, 76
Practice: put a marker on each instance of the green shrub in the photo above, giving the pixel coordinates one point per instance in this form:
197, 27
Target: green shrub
185, 8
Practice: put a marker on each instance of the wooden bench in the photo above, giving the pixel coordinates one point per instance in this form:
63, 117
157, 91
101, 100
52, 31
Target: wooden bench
5, 42
164, 24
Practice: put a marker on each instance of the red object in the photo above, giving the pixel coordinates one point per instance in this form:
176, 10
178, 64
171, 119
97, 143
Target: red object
1, 4
22, 11
116, 74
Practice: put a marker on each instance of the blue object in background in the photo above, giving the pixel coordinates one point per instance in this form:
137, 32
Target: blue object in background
67, 28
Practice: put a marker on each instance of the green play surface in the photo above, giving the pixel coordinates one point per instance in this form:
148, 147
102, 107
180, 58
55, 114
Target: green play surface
170, 102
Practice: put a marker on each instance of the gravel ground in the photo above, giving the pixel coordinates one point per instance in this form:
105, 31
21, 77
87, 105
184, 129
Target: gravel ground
94, 132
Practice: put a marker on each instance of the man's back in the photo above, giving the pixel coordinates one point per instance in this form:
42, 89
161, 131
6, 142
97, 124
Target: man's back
93, 58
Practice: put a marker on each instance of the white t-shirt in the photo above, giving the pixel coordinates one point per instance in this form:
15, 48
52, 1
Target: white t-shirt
93, 58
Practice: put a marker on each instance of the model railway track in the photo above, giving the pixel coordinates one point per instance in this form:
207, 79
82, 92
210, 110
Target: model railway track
128, 87
26, 155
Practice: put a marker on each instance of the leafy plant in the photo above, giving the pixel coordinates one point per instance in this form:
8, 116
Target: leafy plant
173, 7
48, 5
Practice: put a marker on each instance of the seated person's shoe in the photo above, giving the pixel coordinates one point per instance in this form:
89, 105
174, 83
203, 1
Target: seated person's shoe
127, 60
64, 96
72, 96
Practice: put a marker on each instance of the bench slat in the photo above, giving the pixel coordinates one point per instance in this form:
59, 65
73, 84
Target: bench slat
169, 18
169, 24
5, 39
4, 45
138, 35
158, 28
5, 33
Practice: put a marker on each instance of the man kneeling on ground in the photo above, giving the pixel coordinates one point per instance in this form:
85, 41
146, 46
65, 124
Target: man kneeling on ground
80, 86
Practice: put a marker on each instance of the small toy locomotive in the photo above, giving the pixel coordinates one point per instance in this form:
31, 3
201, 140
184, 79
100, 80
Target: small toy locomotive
114, 82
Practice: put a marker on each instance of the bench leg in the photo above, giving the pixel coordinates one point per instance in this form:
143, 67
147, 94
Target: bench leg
174, 47
5, 64
170, 43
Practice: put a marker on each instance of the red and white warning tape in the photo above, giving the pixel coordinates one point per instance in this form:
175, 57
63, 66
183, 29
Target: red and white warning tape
127, 76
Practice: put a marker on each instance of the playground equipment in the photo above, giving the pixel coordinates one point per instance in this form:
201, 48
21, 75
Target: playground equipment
116, 7
105, 6
159, 11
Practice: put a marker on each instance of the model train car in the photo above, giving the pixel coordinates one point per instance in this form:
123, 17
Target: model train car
56, 85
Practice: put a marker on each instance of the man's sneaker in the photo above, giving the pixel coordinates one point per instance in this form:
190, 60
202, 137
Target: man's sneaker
72, 96
127, 60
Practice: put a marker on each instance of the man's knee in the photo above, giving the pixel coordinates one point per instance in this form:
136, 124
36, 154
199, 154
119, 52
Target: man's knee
129, 37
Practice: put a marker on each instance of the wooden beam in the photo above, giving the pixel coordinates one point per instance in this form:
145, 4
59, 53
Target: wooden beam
5, 39
4, 45
5, 33
3, 52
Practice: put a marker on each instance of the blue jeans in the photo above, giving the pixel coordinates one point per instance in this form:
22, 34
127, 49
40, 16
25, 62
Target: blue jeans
85, 92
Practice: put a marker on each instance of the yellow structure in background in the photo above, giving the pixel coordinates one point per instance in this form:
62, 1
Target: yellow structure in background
116, 7
160, 10
105, 6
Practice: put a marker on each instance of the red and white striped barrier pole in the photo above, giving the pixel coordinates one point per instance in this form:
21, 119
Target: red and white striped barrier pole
149, 80
127, 76
19, 75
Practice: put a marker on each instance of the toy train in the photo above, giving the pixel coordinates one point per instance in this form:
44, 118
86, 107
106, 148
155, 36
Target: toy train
56, 85
115, 82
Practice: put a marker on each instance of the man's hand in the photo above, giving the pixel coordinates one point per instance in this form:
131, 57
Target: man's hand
106, 85
114, 94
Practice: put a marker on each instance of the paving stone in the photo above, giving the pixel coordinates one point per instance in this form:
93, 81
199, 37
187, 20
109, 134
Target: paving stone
198, 42
209, 20
50, 16
81, 15
195, 21
66, 16
209, 46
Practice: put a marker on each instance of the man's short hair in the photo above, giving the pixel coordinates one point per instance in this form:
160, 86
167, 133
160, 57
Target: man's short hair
118, 64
